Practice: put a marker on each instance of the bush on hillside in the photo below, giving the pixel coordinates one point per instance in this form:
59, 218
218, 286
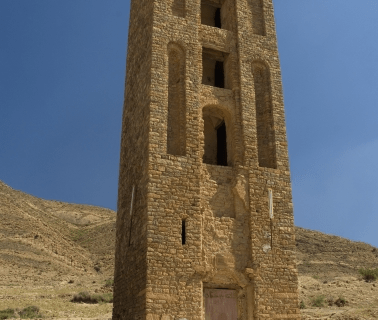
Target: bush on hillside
369, 275
109, 283
7, 313
30, 312
318, 301
85, 297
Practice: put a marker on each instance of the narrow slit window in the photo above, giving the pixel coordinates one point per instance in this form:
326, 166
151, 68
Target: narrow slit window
221, 145
217, 18
219, 75
183, 231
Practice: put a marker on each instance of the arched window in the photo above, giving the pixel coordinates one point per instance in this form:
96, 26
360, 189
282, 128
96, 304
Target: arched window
176, 126
216, 146
264, 116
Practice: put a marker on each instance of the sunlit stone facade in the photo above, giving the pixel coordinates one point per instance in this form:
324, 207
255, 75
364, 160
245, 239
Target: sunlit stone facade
205, 217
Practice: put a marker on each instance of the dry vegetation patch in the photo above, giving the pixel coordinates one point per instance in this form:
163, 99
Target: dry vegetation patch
86, 297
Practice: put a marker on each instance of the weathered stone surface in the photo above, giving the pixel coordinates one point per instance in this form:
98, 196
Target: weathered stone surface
203, 141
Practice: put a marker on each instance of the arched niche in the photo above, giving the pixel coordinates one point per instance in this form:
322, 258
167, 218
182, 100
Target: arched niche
258, 17
176, 123
266, 143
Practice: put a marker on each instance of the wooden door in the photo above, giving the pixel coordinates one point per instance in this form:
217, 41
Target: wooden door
220, 304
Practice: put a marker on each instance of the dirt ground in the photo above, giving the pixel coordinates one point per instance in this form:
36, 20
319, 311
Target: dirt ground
54, 299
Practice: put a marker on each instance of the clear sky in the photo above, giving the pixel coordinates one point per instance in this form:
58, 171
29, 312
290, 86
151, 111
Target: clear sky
62, 67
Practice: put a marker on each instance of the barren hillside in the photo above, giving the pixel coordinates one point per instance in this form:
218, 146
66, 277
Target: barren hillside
51, 250
39, 237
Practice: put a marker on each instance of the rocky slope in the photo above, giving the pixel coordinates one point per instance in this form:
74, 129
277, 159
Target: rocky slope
51, 250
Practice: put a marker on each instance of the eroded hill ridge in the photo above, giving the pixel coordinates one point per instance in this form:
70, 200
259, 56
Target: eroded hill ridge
48, 243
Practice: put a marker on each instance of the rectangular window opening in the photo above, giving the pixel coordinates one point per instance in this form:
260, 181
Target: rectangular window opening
211, 14
183, 231
213, 68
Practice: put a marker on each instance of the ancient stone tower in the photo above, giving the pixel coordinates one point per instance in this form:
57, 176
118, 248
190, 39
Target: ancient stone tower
205, 218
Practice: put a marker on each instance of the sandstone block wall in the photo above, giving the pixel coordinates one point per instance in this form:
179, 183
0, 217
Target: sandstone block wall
203, 144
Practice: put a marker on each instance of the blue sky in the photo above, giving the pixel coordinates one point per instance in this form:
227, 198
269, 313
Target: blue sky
62, 67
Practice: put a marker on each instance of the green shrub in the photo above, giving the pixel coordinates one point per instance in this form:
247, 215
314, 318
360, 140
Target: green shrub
30, 313
7, 313
302, 305
85, 297
369, 275
109, 283
318, 301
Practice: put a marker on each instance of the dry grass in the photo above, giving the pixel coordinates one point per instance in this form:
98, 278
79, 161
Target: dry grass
52, 302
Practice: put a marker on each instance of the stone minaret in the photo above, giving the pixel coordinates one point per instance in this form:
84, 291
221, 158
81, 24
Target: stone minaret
205, 218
